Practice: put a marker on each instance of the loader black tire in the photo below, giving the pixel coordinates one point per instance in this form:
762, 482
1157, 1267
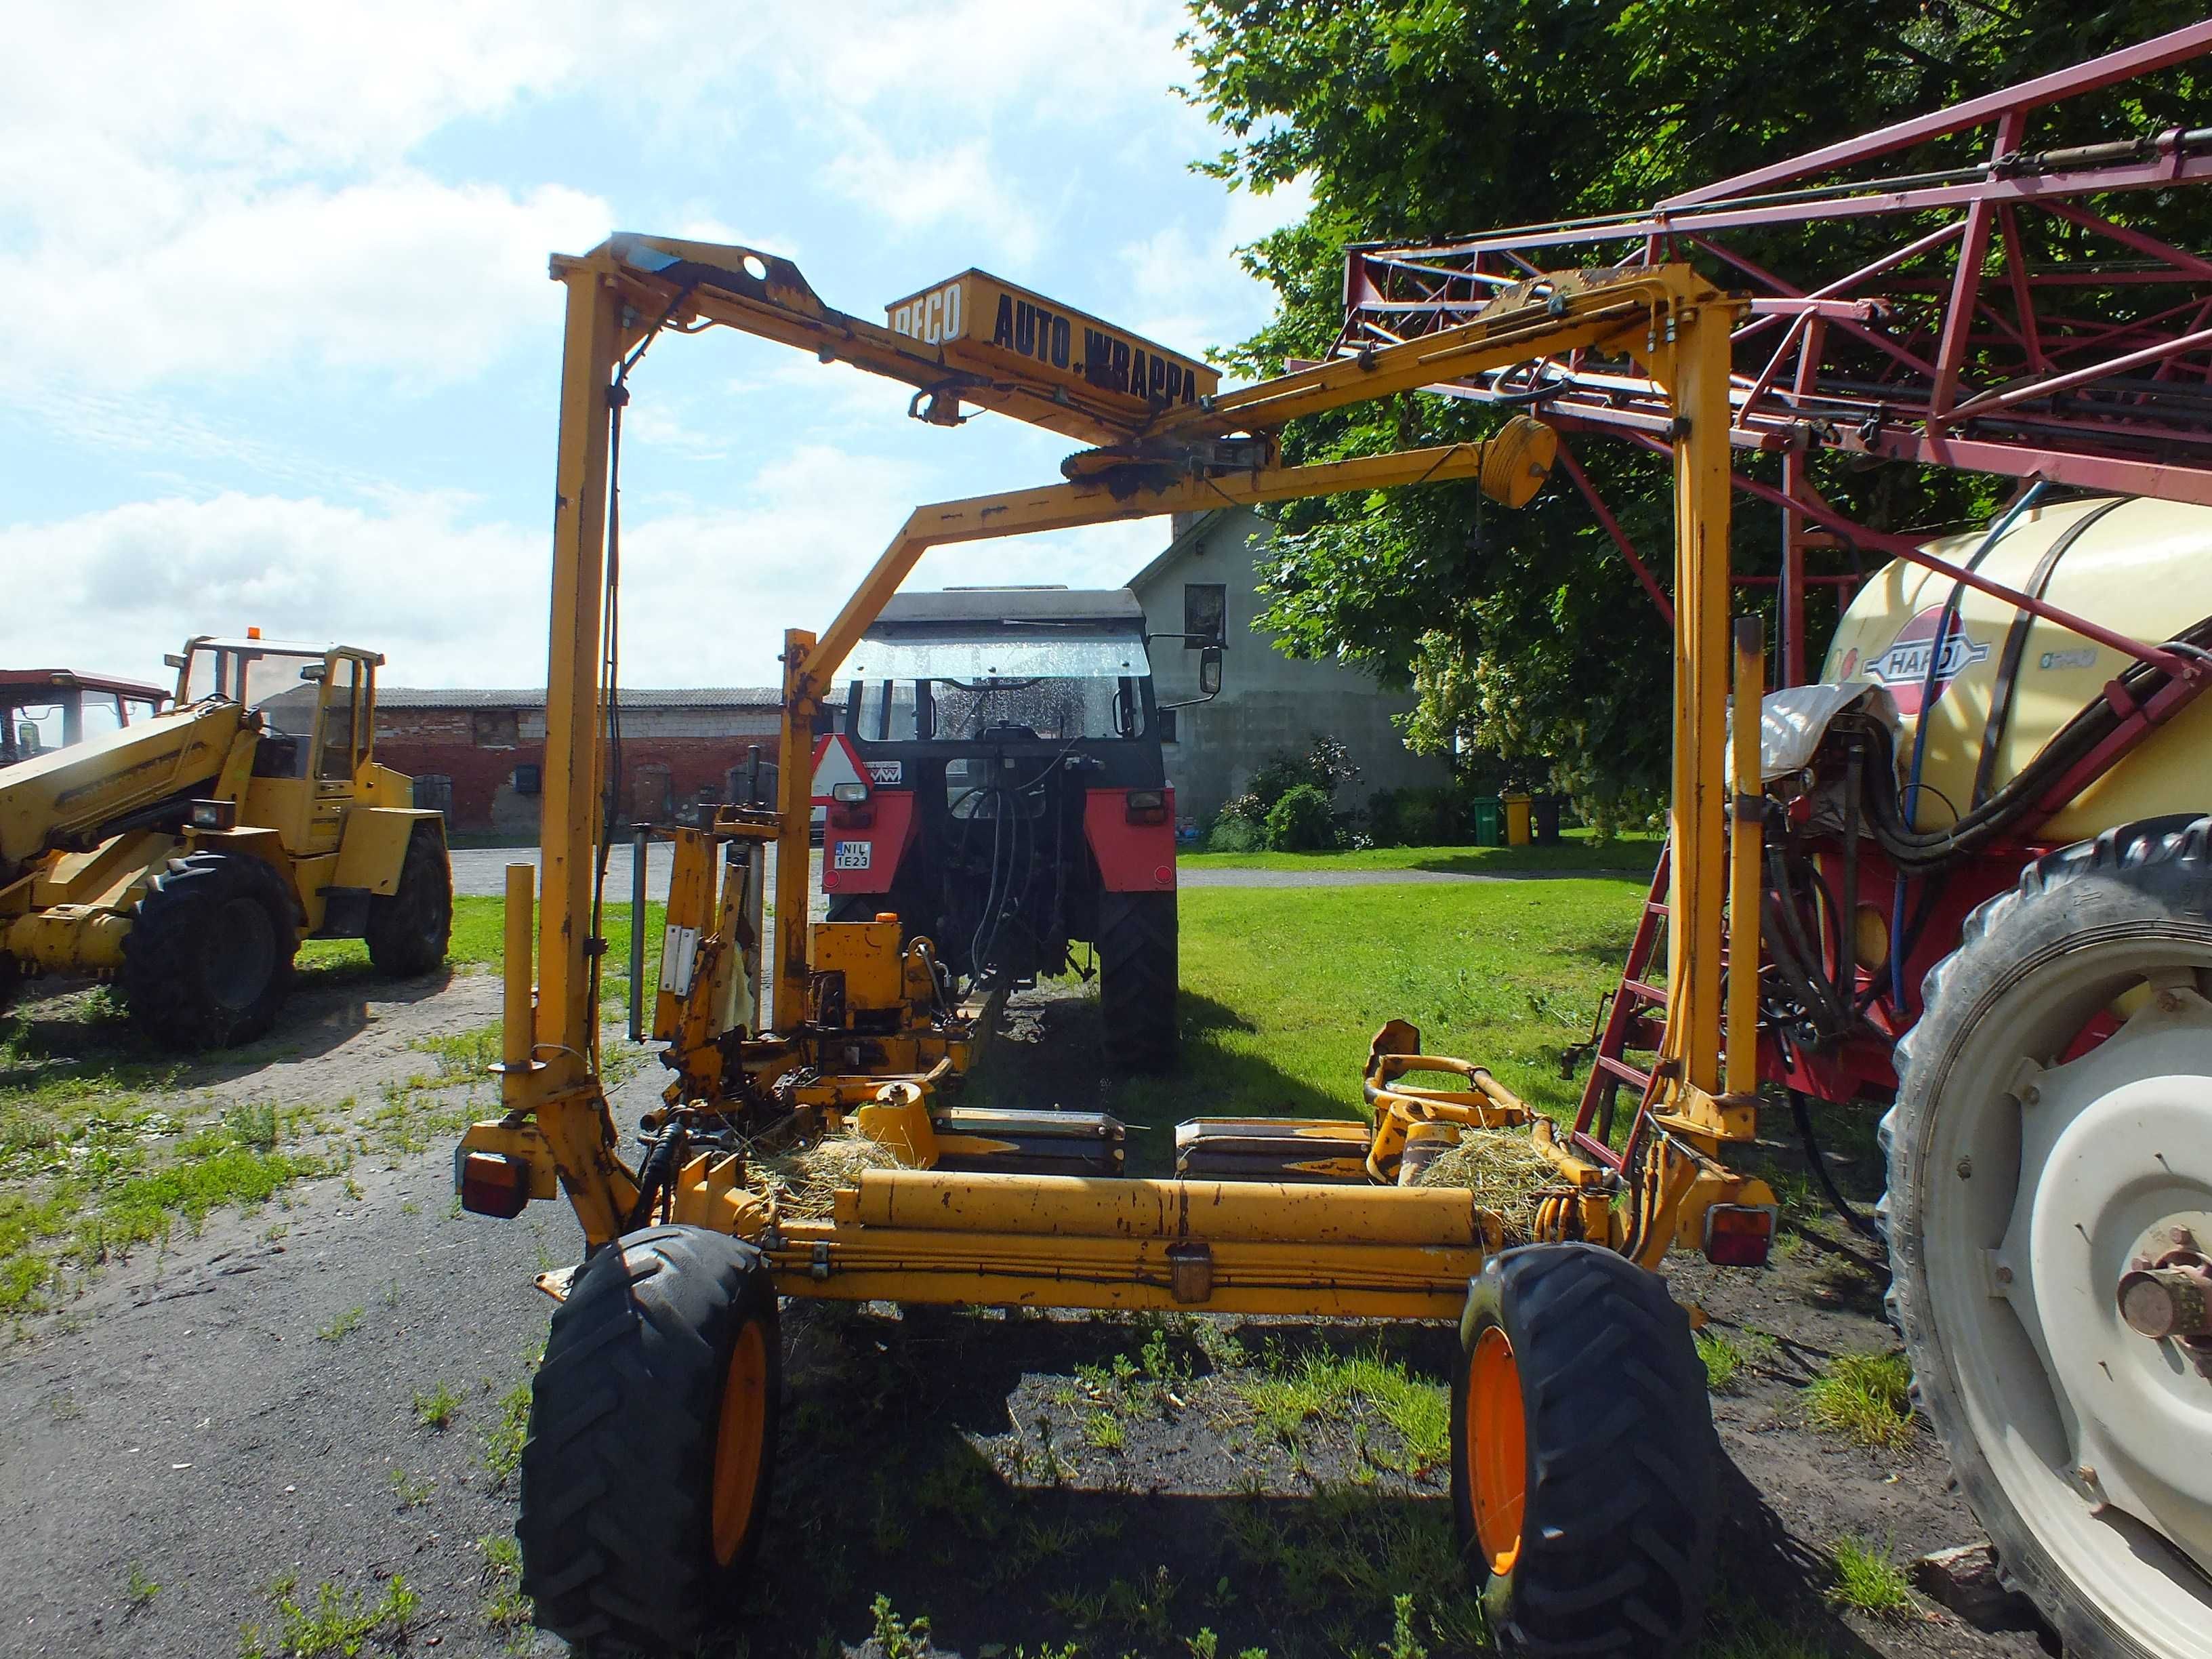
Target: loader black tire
2032, 965
664, 1335
1610, 1548
1136, 979
208, 959
408, 931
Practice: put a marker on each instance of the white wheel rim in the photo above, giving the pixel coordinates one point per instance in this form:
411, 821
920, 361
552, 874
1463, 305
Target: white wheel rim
2101, 1438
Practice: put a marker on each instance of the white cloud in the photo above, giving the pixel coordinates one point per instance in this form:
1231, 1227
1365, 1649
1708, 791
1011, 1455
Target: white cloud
1192, 295
426, 281
706, 595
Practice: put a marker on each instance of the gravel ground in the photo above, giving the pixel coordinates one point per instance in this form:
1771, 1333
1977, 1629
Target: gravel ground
236, 1419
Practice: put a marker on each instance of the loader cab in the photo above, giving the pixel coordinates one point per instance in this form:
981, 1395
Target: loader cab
317, 710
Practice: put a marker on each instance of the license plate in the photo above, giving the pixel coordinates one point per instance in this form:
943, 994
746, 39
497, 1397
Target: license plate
851, 855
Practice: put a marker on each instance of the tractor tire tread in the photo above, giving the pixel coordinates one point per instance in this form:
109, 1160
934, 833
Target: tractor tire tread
2150, 871
408, 930
1138, 972
165, 950
1619, 1534
615, 1492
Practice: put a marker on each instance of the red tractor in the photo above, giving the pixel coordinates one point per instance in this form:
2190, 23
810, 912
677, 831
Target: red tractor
999, 784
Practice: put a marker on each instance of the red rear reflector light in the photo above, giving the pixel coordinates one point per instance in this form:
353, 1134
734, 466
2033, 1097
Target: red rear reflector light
852, 817
492, 1183
1738, 1235
1147, 806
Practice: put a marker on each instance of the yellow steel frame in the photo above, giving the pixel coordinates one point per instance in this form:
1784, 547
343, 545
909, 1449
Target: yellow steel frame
1128, 1243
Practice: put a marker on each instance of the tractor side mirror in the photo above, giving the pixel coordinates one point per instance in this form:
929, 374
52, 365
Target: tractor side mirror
313, 673
1209, 672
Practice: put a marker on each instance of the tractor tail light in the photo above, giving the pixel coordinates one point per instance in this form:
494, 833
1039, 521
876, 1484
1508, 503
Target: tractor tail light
492, 1183
1147, 806
1738, 1235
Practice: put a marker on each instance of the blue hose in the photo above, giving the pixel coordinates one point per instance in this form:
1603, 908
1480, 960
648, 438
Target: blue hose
1936, 647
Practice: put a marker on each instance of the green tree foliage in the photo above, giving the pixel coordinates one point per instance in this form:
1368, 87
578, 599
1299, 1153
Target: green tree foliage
1525, 633
1302, 821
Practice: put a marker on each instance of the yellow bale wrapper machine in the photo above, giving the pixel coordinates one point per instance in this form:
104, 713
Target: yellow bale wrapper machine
185, 856
1583, 1464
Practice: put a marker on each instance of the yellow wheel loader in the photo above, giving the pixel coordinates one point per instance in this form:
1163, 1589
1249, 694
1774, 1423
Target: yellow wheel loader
185, 856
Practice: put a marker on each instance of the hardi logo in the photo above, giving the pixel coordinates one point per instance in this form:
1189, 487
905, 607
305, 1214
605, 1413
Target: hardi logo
1904, 667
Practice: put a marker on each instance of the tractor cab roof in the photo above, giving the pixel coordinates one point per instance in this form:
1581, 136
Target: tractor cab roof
281, 647
966, 610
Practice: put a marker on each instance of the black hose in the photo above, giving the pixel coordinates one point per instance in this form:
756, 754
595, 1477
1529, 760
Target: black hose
1817, 1161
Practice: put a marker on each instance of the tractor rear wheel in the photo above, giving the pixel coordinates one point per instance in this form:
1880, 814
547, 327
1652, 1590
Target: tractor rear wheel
1584, 1465
208, 959
408, 931
2052, 1138
652, 1444
1137, 978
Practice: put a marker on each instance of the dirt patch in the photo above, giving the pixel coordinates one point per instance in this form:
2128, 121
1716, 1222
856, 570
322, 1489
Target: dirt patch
237, 1420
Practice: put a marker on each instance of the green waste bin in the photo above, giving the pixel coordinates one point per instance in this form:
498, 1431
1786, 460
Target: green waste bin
1488, 812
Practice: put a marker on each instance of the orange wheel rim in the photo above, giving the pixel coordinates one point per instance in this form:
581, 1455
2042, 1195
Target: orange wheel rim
1497, 1448
740, 1442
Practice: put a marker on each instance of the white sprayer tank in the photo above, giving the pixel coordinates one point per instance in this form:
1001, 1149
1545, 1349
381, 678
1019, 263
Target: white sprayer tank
2141, 568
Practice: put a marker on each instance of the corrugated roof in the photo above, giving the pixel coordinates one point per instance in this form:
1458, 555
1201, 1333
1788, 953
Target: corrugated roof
651, 696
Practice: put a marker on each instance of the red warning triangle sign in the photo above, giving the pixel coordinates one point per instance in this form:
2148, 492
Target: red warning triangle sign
834, 763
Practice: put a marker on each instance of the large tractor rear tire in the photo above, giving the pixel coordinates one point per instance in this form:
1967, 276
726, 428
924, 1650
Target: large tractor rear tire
208, 959
408, 931
1584, 1465
652, 1444
2031, 1167
1136, 979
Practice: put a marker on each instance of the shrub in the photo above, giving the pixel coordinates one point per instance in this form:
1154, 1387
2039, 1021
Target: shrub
1234, 835
1302, 821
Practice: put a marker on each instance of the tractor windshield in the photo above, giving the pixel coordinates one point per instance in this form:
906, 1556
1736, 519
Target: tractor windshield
1056, 688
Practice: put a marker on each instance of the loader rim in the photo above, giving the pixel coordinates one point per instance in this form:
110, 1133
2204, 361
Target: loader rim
1497, 1448
1981, 1179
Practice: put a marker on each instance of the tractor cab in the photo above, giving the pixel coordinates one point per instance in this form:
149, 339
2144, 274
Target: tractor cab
1004, 773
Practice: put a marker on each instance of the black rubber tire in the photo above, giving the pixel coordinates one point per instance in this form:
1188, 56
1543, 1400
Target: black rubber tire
1618, 1531
1136, 979
2153, 878
616, 1500
11, 980
408, 930
208, 959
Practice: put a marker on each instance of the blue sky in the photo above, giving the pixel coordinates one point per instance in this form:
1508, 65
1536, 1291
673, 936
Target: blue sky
283, 352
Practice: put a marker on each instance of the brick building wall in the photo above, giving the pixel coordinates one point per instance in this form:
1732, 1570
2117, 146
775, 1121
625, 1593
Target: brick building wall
677, 750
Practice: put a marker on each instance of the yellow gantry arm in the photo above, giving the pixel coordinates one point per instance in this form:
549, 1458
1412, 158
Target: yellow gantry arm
1664, 316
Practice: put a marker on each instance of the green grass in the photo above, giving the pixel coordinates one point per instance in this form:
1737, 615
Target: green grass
1283, 989
436, 1409
1578, 850
1865, 1397
1867, 1579
1323, 1386
1727, 1355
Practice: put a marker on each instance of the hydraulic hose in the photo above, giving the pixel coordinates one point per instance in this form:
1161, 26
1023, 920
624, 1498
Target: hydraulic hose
1929, 685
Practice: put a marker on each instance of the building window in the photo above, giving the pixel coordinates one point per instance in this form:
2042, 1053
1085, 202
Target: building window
496, 728
1167, 719
1205, 613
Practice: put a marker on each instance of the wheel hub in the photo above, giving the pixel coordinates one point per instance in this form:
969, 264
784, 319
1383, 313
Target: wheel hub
2116, 1155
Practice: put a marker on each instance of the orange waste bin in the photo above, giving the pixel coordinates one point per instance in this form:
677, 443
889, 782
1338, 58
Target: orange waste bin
1519, 832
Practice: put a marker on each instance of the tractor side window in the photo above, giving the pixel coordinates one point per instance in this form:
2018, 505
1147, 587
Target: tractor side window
881, 711
341, 720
